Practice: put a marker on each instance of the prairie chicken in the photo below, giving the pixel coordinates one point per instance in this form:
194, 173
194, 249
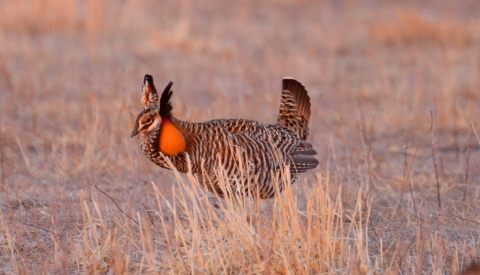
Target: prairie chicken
253, 154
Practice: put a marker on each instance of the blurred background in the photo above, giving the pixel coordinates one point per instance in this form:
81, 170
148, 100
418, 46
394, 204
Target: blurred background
380, 74
71, 75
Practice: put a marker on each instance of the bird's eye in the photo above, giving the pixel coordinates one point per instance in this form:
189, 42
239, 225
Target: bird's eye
148, 121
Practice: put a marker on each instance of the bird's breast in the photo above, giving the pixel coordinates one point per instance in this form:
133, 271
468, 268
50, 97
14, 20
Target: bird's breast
172, 141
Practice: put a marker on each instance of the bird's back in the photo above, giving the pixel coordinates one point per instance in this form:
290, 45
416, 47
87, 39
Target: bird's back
248, 151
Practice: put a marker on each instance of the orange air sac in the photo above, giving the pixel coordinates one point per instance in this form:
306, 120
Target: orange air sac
172, 140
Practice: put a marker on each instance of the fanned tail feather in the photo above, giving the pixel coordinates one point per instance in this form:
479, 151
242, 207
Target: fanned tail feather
300, 94
294, 107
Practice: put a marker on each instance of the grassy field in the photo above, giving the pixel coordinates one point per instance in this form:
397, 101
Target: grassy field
395, 91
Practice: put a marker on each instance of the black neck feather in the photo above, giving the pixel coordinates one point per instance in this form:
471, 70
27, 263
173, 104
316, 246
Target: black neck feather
165, 105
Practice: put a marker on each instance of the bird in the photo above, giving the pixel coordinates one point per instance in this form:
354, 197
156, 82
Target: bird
472, 269
238, 157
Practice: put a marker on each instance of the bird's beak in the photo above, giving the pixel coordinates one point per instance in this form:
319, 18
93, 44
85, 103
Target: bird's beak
134, 133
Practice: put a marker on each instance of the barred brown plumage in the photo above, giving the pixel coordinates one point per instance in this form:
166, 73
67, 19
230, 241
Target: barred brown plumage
251, 153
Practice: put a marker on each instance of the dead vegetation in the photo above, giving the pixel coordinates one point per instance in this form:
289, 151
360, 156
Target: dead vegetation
395, 119
411, 27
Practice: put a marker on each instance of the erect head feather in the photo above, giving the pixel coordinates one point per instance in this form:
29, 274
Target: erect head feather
149, 93
165, 105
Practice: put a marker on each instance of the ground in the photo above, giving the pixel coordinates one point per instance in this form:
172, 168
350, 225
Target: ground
395, 93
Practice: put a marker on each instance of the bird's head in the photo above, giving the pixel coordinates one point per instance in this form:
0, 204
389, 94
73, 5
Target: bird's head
146, 121
158, 113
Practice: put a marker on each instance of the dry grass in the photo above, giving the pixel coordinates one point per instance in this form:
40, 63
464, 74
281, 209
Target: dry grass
412, 28
78, 196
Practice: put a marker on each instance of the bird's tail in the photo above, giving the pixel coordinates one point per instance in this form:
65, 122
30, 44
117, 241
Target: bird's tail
294, 107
